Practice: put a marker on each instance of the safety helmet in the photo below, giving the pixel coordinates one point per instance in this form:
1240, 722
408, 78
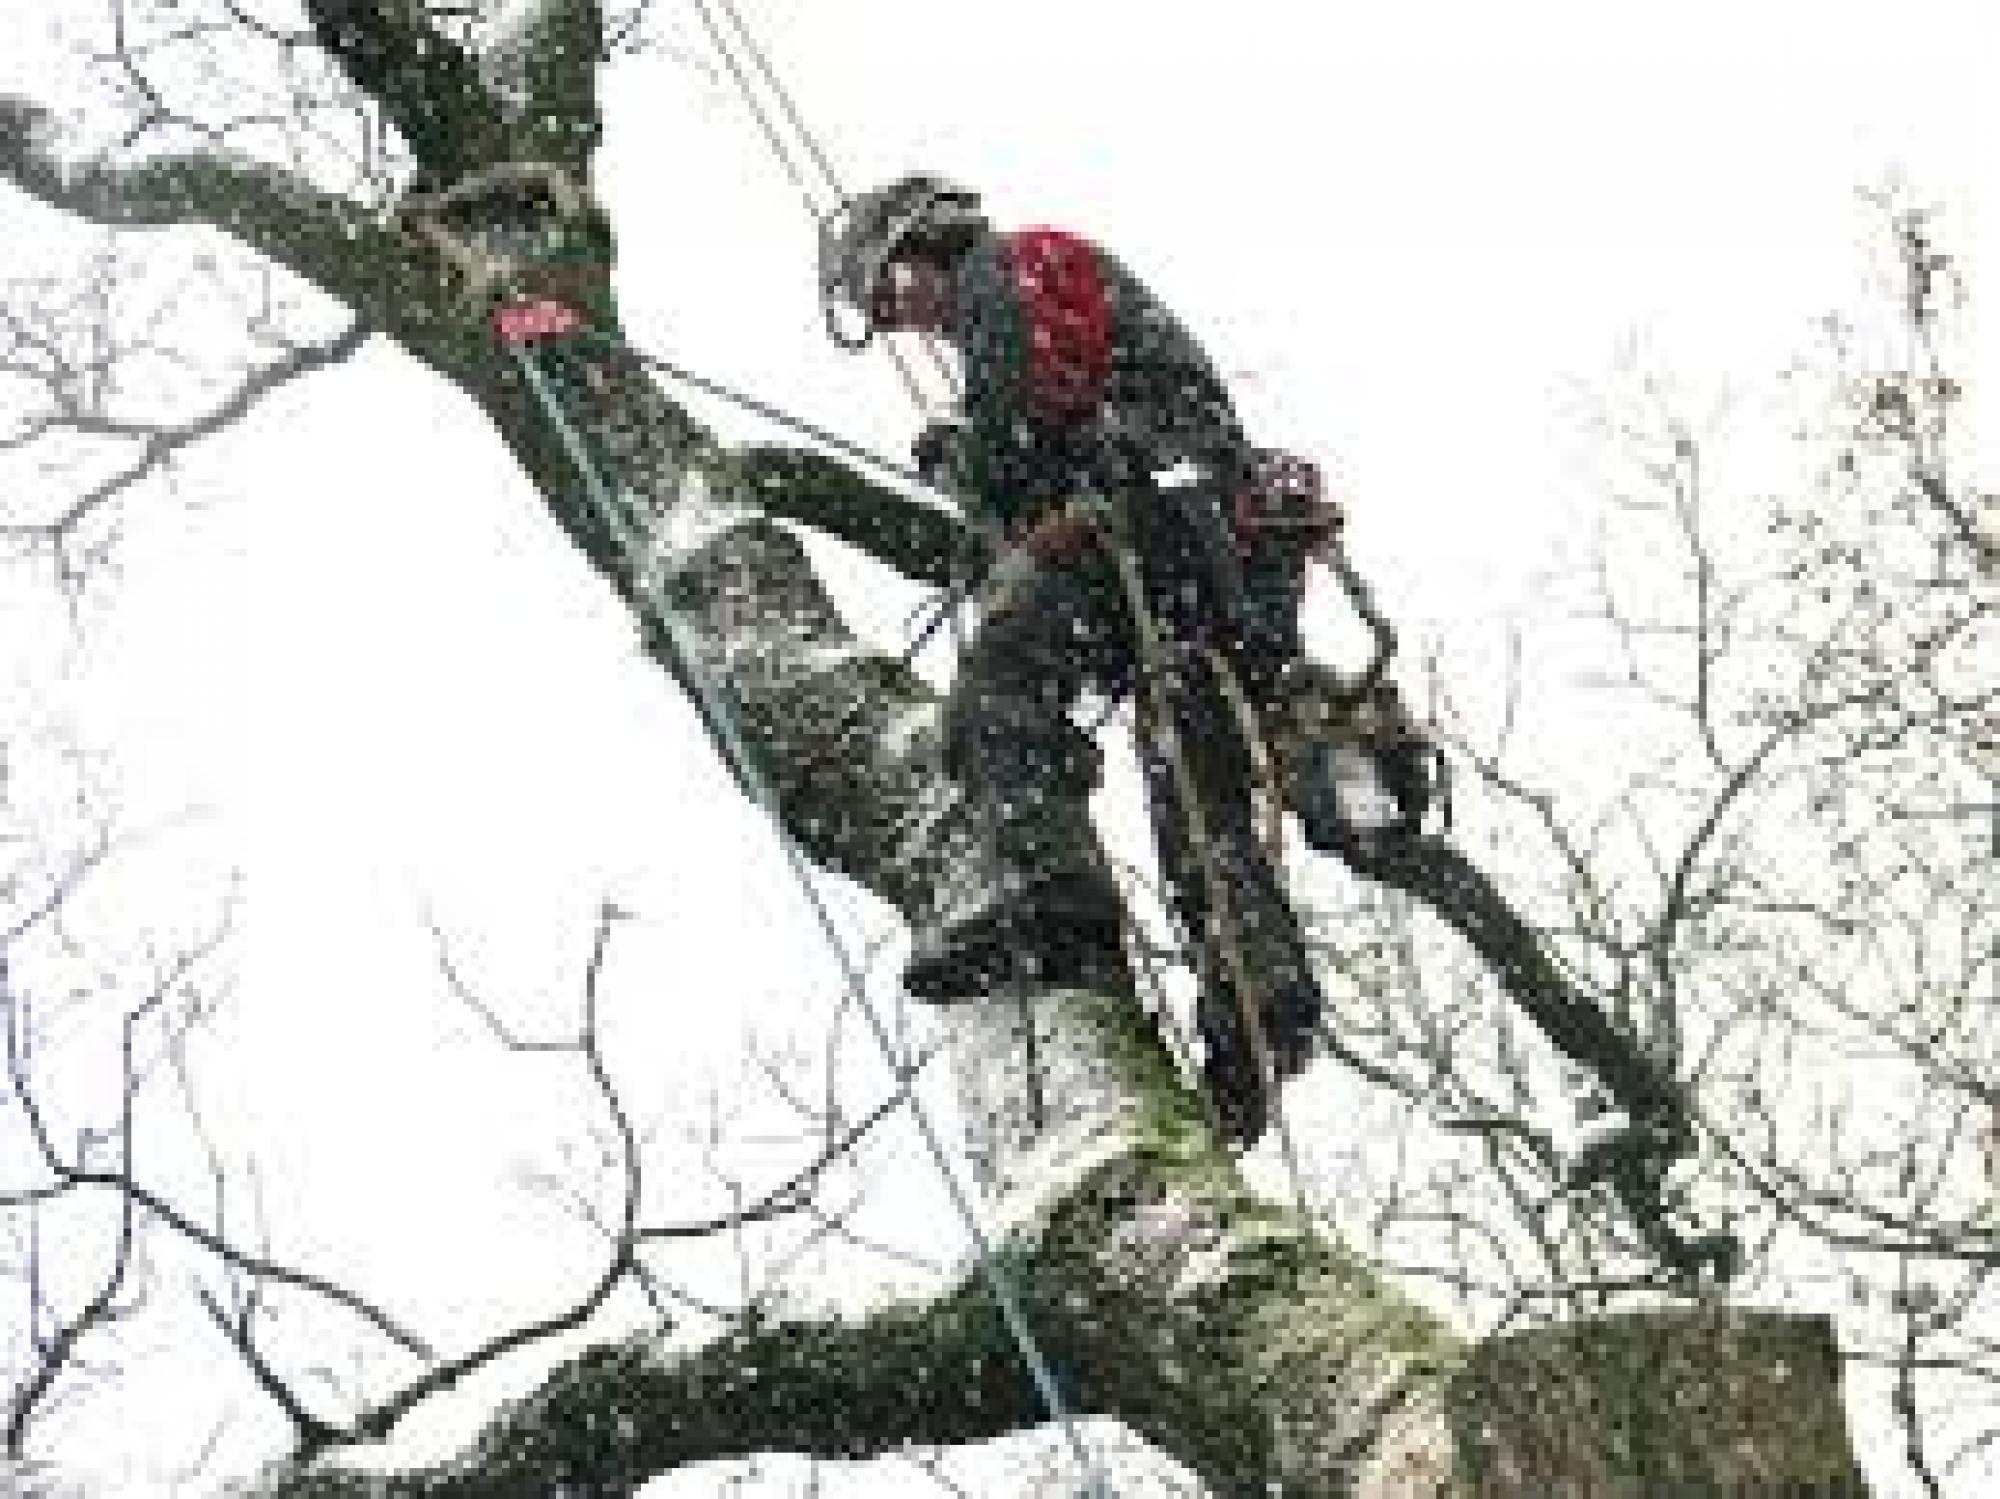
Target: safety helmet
858, 241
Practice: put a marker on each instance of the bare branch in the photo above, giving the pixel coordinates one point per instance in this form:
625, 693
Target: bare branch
161, 445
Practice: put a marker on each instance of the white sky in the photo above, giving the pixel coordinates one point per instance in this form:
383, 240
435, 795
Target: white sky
1410, 232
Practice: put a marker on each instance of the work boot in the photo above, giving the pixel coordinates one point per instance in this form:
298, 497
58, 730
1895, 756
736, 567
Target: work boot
1230, 1074
1242, 1113
1061, 931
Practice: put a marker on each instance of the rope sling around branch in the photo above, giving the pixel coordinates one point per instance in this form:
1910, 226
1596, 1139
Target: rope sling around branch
718, 715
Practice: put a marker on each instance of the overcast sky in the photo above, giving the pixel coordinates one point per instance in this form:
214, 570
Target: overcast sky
1411, 234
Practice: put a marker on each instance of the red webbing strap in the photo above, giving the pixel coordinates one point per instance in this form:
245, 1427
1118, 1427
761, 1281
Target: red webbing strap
529, 322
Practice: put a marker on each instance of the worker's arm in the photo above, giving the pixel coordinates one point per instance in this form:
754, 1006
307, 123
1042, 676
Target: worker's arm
1164, 391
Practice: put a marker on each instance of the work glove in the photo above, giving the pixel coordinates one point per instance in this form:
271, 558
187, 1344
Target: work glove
1284, 502
942, 455
1062, 535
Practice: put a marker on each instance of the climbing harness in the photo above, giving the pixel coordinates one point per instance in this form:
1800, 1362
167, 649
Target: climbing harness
719, 716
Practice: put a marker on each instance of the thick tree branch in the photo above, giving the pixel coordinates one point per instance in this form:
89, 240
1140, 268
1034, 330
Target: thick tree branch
331, 242
1262, 1353
429, 87
798, 484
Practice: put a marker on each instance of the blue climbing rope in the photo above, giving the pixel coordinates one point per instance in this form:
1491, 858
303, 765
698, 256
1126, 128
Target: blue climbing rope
717, 713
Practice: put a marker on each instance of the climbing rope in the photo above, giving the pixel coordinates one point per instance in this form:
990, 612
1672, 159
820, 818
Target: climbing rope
822, 200
765, 125
719, 716
783, 95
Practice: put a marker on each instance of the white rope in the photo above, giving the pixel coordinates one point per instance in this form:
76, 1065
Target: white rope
784, 97
829, 187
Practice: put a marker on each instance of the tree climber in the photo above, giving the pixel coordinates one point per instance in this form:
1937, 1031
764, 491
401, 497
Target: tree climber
1079, 383
1074, 373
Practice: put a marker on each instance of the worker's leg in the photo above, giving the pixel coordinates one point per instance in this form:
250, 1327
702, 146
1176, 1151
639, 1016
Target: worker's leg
1037, 905
1225, 889
1228, 893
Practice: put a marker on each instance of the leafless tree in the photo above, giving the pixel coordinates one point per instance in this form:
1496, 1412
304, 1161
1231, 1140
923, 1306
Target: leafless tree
1794, 890
366, 157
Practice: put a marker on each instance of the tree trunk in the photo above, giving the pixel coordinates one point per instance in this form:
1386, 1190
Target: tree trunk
1699, 1401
